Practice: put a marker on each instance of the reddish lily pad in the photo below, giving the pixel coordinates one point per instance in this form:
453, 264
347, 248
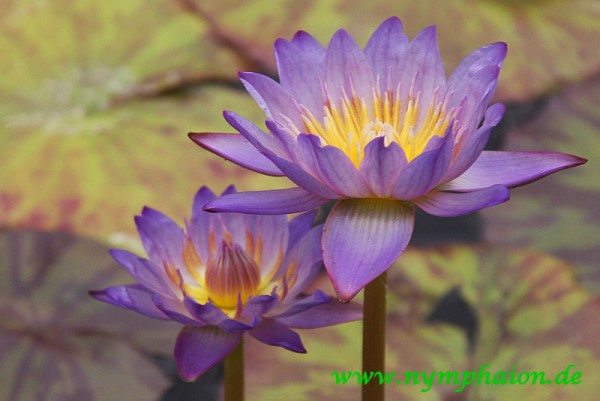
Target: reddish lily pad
532, 315
56, 342
549, 41
558, 214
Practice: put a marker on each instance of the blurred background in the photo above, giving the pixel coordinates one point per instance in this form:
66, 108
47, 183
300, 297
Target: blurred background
96, 99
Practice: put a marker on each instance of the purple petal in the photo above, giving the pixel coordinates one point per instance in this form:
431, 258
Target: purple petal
200, 223
382, 166
277, 201
470, 146
162, 237
299, 226
362, 238
259, 139
236, 149
425, 171
450, 204
347, 69
175, 310
311, 48
206, 313
275, 100
310, 301
511, 169
271, 332
307, 258
383, 50
299, 75
147, 274
334, 168
199, 349
133, 297
258, 306
420, 70
323, 315
490, 55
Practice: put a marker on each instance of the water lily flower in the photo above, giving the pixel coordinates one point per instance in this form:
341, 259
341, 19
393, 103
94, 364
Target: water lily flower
381, 130
226, 275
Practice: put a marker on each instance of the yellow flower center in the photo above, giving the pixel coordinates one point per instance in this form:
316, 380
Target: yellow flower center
231, 273
351, 127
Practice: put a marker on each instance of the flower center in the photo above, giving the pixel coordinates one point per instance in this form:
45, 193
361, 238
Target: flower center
352, 125
231, 274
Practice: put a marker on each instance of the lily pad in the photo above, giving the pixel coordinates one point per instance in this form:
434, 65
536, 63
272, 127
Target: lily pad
550, 42
81, 151
56, 342
531, 315
558, 214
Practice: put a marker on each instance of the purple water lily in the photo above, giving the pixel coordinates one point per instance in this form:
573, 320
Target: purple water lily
381, 130
225, 275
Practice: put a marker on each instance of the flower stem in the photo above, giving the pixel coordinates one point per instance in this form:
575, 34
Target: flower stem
234, 374
373, 356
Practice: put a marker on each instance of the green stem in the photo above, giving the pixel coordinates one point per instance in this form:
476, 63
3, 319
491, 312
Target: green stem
374, 336
234, 374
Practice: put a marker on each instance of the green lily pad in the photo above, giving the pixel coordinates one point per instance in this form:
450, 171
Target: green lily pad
549, 41
531, 315
558, 214
56, 342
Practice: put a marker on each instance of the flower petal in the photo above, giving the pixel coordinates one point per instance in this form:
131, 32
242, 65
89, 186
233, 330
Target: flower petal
199, 349
162, 237
175, 310
347, 69
420, 71
145, 272
277, 201
257, 306
425, 171
334, 168
133, 297
206, 313
307, 260
511, 169
382, 166
383, 50
271, 332
259, 139
450, 204
299, 75
469, 147
327, 314
236, 149
200, 223
311, 48
481, 58
307, 302
274, 99
362, 238
299, 226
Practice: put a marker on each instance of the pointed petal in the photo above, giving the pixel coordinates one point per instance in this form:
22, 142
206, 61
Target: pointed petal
277, 201
260, 140
199, 225
236, 149
299, 75
301, 304
299, 226
275, 100
327, 314
450, 204
334, 168
347, 68
471, 145
199, 349
421, 66
133, 297
383, 50
311, 48
425, 172
382, 166
206, 313
147, 274
511, 169
362, 238
175, 310
307, 259
272, 333
258, 306
162, 237
490, 55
